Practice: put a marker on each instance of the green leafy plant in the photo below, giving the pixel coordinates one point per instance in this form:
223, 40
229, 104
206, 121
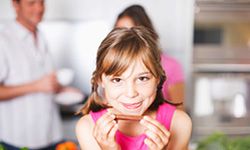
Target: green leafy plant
240, 144
1, 147
219, 141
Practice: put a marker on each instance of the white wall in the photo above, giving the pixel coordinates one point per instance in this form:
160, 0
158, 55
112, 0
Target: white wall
76, 27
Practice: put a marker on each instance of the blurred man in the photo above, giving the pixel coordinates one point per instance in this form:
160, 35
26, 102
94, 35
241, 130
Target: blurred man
28, 115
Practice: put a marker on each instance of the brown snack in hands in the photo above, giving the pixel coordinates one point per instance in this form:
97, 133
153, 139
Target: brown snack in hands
127, 117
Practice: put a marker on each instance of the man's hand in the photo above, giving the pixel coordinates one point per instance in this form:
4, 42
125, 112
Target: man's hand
48, 84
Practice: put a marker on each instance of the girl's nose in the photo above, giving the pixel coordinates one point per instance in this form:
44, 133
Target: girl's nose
131, 90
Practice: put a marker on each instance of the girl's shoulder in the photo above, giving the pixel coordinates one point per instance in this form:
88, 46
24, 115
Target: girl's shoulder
181, 123
174, 117
84, 123
181, 117
181, 129
83, 131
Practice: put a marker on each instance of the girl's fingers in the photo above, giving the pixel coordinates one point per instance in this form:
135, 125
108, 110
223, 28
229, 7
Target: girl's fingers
107, 129
103, 126
104, 131
155, 139
156, 127
151, 145
112, 132
157, 124
105, 118
155, 132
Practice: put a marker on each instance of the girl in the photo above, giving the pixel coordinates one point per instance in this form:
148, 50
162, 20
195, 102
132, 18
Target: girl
128, 81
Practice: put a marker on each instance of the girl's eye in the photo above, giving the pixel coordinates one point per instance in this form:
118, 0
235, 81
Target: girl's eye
116, 80
144, 78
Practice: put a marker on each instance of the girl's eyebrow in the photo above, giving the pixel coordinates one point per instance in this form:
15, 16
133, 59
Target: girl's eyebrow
144, 73
139, 74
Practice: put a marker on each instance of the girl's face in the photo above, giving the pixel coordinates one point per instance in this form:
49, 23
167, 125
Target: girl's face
133, 91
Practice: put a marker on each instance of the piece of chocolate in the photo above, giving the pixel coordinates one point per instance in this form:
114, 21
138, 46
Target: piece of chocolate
127, 117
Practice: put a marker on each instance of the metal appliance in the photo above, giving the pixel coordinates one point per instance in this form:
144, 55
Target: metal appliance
221, 68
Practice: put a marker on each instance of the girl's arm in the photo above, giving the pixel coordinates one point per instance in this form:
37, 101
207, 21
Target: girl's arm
181, 128
84, 129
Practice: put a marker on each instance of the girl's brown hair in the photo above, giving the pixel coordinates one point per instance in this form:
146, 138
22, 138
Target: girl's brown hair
117, 51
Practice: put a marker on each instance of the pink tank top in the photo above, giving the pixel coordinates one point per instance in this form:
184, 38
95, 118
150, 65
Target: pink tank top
164, 116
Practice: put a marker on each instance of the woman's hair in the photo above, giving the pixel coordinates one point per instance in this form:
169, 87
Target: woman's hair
118, 50
139, 17
16, 0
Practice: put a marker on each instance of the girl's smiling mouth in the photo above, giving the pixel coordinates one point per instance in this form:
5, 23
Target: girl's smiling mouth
132, 105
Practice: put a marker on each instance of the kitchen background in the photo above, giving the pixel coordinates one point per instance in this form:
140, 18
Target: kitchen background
221, 68
210, 38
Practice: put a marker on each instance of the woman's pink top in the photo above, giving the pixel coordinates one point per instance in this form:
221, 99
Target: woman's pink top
164, 116
174, 73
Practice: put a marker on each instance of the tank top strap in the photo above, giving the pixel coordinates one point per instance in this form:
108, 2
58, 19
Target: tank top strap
96, 115
165, 114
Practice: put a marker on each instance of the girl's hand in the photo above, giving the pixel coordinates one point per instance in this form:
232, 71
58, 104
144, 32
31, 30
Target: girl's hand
104, 132
157, 134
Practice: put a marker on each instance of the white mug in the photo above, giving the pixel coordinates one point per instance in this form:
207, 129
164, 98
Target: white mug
65, 76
